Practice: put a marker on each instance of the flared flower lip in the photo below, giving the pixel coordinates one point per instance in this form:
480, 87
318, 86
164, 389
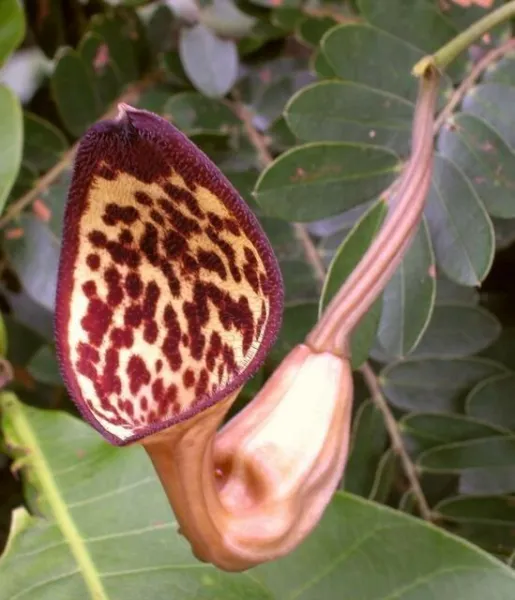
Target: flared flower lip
181, 155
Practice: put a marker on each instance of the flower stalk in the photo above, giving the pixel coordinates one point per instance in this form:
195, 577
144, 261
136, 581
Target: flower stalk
379, 263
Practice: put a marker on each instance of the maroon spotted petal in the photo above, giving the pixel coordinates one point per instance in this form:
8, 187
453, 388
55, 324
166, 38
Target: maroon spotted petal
169, 294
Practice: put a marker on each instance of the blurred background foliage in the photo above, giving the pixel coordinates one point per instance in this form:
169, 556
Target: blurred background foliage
307, 108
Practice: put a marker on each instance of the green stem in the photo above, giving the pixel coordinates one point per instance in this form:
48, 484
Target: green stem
447, 53
21, 434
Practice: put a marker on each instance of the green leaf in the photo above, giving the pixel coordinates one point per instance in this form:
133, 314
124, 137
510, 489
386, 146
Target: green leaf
103, 71
457, 330
274, 98
50, 26
55, 199
379, 59
503, 350
74, 92
489, 509
448, 292
159, 26
323, 179
502, 71
225, 18
484, 158
155, 98
345, 260
418, 22
287, 17
3, 337
320, 65
96, 507
471, 454
464, 15
431, 430
492, 480
298, 319
44, 368
384, 479
434, 385
299, 280
369, 440
23, 341
281, 136
311, 29
12, 27
409, 297
504, 230
492, 401
11, 134
453, 210
119, 35
210, 62
194, 113
485, 520
43, 143
350, 112
492, 103
34, 256
25, 179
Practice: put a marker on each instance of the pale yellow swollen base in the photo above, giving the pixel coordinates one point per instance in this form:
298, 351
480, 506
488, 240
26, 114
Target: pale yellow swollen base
252, 492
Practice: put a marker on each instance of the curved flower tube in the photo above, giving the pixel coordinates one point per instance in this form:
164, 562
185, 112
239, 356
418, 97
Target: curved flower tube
169, 298
255, 490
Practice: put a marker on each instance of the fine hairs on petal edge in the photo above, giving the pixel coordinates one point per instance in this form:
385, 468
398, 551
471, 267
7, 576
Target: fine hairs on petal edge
147, 146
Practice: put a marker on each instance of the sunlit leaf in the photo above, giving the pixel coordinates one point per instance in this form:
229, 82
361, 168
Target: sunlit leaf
12, 27
97, 506
11, 134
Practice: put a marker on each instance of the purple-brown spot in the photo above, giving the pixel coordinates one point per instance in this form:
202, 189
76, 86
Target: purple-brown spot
97, 321
93, 261
114, 214
133, 285
180, 195
138, 373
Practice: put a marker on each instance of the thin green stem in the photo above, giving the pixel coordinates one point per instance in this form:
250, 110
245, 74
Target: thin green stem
25, 437
450, 51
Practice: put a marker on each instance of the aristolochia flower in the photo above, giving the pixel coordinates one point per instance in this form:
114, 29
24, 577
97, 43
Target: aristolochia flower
169, 298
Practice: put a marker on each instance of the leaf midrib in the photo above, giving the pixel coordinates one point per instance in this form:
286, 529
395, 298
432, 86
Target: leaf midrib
63, 518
